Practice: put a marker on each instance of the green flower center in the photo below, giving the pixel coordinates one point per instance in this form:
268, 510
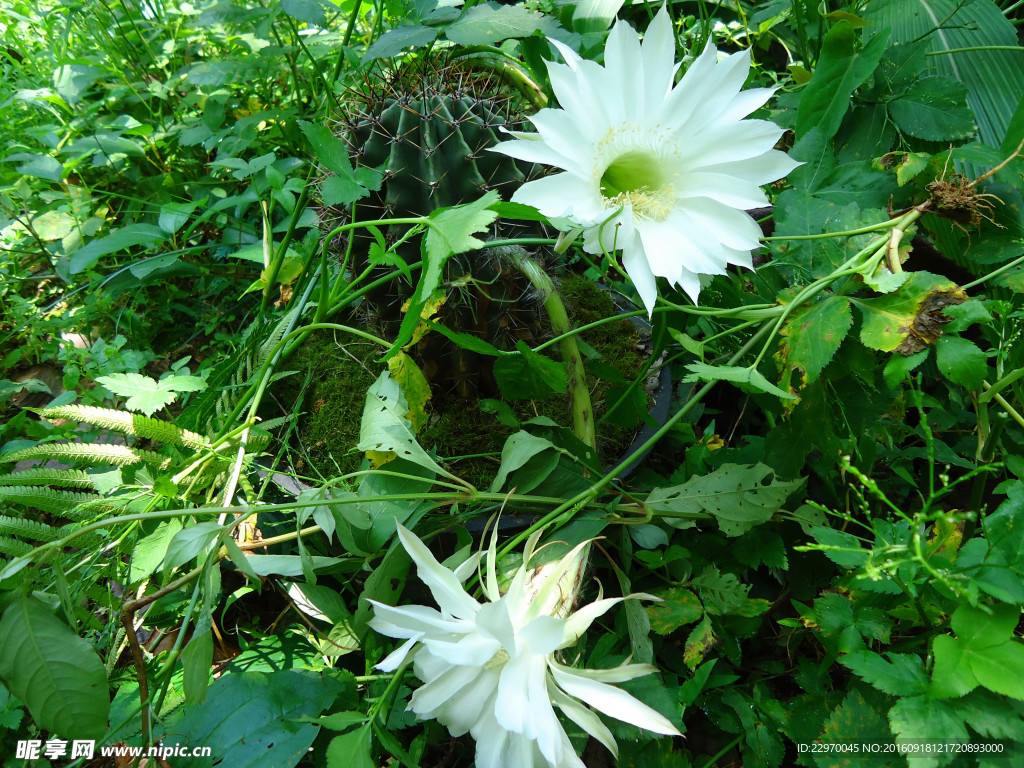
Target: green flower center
638, 179
631, 172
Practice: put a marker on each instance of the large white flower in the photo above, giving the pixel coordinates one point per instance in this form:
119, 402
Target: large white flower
663, 173
489, 668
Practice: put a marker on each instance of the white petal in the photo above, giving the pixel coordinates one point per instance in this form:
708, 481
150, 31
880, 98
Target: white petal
580, 621
585, 719
659, 49
396, 657
768, 167
473, 650
543, 635
427, 698
723, 188
635, 263
564, 194
474, 703
494, 621
443, 584
729, 143
491, 742
744, 103
612, 701
730, 226
408, 620
619, 674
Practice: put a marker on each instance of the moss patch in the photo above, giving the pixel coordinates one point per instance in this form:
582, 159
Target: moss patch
343, 369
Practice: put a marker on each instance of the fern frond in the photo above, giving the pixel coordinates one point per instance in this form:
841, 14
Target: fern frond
46, 499
98, 453
13, 548
116, 505
71, 478
28, 529
128, 424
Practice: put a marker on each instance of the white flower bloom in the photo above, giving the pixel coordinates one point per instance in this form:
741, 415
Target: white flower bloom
663, 173
489, 668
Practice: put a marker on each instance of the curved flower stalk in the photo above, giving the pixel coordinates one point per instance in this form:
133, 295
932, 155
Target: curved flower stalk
489, 669
663, 173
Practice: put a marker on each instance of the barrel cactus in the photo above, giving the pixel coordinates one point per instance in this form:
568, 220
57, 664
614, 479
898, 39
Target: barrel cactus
428, 127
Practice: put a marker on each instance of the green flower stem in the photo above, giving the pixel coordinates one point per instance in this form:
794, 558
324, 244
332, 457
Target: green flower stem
1010, 410
579, 395
1016, 48
845, 233
558, 516
995, 273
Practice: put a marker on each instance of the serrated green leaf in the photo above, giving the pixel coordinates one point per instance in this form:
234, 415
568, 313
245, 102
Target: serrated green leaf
396, 40
679, 606
737, 496
811, 336
146, 394
910, 319
488, 24
54, 672
933, 108
528, 375
898, 674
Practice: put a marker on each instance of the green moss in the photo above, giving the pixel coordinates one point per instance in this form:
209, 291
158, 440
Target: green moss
344, 368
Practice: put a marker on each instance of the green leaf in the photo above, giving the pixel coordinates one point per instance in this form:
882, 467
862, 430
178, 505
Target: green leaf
722, 593
174, 215
54, 672
853, 722
351, 750
747, 378
994, 79
343, 188
840, 71
253, 718
898, 367
196, 660
286, 565
189, 543
151, 549
528, 459
910, 319
901, 675
396, 40
118, 240
72, 80
811, 336
934, 108
450, 231
916, 718
983, 629
528, 375
386, 428
41, 167
951, 673
679, 606
312, 11
961, 362
488, 24
146, 394
594, 16
737, 496
840, 547
1001, 669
